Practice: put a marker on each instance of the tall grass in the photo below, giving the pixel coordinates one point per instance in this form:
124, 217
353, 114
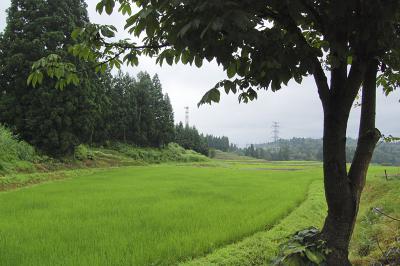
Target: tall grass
14, 153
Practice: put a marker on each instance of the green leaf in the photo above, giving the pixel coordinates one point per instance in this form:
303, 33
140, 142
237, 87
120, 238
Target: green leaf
185, 57
212, 95
198, 61
75, 33
151, 25
169, 58
314, 256
231, 71
40, 77
177, 58
252, 94
34, 79
130, 21
75, 79
106, 32
100, 7
125, 9
141, 25
110, 6
29, 81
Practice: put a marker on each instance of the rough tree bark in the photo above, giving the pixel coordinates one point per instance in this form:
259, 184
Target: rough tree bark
342, 188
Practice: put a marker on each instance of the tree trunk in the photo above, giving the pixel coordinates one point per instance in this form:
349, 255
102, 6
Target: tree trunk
341, 206
343, 189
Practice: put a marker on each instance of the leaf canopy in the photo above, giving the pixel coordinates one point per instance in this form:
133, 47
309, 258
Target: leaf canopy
262, 44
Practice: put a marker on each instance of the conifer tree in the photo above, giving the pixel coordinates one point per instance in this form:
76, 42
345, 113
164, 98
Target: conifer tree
53, 120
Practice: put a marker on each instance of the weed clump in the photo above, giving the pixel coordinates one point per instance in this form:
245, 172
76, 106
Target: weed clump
15, 154
82, 152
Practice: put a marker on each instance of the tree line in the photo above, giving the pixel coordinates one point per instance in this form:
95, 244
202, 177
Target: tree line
190, 138
100, 108
308, 149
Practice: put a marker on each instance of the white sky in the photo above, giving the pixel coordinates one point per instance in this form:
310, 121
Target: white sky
297, 107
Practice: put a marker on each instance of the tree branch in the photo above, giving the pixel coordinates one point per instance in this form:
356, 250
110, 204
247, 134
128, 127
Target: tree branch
322, 83
125, 47
128, 46
368, 134
354, 81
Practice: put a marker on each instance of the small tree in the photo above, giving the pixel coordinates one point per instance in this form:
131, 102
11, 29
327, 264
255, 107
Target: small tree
264, 44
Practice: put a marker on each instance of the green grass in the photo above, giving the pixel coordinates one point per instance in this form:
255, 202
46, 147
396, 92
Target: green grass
230, 156
145, 215
373, 228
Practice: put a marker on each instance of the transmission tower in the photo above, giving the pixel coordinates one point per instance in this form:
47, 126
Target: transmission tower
275, 131
187, 116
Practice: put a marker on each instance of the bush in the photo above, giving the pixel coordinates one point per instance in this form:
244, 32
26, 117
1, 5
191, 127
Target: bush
303, 248
83, 153
12, 149
211, 153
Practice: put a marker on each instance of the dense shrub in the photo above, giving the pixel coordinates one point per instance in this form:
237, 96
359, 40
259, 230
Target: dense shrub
14, 154
12, 149
82, 152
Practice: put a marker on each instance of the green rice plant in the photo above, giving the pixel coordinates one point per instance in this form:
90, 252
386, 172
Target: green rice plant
146, 215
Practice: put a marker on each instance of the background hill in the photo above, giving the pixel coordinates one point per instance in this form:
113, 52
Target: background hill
309, 149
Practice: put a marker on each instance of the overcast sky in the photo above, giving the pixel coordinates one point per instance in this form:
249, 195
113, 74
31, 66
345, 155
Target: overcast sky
297, 107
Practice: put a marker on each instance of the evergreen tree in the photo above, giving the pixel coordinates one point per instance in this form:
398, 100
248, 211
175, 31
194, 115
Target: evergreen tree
189, 138
51, 119
139, 112
156, 134
166, 122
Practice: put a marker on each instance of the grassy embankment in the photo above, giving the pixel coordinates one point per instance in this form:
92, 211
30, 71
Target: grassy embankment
21, 165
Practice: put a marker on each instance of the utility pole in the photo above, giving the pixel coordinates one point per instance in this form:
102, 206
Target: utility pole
275, 131
275, 135
187, 116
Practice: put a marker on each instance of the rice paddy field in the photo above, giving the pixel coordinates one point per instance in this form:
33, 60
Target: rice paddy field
149, 215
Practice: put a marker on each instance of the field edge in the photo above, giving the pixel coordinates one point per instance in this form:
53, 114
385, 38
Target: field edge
262, 247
